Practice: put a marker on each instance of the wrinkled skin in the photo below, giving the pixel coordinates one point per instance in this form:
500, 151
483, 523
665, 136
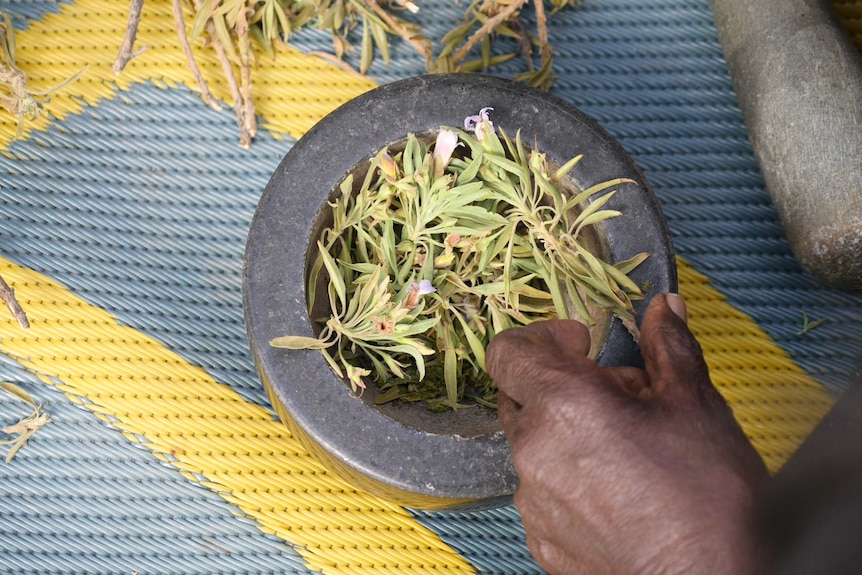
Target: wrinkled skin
625, 470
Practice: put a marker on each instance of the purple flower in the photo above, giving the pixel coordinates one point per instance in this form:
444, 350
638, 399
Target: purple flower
416, 291
424, 287
470, 122
479, 123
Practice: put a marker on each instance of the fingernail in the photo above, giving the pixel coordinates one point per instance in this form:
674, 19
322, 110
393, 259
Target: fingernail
677, 306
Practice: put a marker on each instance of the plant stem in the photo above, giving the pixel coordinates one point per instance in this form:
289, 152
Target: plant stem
7, 294
542, 27
126, 54
486, 29
180, 23
249, 114
230, 76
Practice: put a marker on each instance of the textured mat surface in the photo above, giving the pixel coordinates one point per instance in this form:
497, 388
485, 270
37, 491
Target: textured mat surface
124, 225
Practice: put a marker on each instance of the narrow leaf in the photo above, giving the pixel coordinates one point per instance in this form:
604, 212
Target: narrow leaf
379, 33
595, 206
622, 279
10, 40
564, 170
200, 20
594, 219
298, 342
18, 392
335, 278
583, 196
367, 54
630, 264
475, 344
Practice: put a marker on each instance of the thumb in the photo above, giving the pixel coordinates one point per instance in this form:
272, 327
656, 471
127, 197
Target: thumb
672, 357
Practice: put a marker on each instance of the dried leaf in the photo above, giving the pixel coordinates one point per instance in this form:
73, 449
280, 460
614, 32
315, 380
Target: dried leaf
298, 342
378, 32
367, 49
25, 428
18, 392
9, 48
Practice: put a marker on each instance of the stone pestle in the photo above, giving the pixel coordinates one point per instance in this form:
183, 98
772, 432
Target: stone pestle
798, 79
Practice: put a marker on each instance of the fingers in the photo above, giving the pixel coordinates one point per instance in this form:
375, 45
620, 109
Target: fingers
540, 354
677, 306
508, 411
531, 362
565, 338
672, 357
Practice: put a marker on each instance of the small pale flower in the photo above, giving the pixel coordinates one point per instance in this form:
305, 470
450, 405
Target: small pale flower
470, 122
424, 287
465, 244
383, 326
447, 141
479, 123
416, 291
388, 166
445, 259
355, 375
470, 304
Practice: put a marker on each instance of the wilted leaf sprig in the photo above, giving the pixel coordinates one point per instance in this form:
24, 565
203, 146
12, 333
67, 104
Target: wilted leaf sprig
485, 20
235, 28
15, 96
431, 255
27, 427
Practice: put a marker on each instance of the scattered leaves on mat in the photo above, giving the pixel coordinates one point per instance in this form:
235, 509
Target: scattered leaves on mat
25, 428
235, 29
14, 94
439, 246
808, 325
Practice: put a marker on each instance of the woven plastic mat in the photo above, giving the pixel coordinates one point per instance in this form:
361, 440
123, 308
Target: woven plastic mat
125, 213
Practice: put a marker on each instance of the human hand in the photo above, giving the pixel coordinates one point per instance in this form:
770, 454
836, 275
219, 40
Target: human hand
625, 470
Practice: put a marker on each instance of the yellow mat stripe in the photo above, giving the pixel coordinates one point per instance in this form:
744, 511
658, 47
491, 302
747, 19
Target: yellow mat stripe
776, 403
180, 409
292, 91
213, 435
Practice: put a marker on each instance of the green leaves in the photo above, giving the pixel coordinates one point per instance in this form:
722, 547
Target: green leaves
336, 279
808, 325
497, 236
